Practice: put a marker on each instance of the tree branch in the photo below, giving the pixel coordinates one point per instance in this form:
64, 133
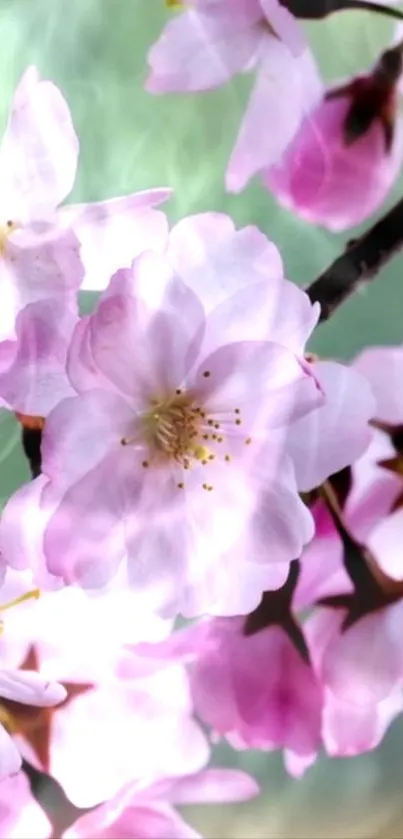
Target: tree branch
362, 260
318, 9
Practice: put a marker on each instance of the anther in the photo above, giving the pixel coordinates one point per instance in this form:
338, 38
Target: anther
237, 411
216, 425
145, 464
181, 485
227, 458
220, 439
178, 391
248, 441
211, 456
206, 374
210, 422
238, 422
205, 436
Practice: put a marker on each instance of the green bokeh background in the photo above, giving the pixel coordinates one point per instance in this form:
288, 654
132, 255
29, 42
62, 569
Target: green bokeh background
95, 50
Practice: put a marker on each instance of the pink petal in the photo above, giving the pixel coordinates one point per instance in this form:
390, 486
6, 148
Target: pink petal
199, 51
282, 707
215, 260
336, 434
285, 25
383, 367
322, 571
147, 733
385, 542
36, 380
213, 785
349, 729
286, 88
364, 664
30, 688
142, 351
328, 183
148, 822
10, 759
81, 431
265, 381
39, 151
296, 765
113, 232
280, 519
273, 311
22, 525
94, 508
39, 264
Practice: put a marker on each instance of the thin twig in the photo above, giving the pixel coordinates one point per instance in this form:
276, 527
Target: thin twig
362, 261
318, 9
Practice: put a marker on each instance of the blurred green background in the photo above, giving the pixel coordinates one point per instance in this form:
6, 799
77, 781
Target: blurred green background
95, 50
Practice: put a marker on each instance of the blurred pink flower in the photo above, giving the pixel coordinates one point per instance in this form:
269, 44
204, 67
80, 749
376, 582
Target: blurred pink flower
347, 153
107, 731
144, 810
256, 690
213, 40
361, 664
147, 812
21, 688
46, 254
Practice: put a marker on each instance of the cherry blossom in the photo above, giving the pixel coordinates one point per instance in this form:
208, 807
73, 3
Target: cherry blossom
40, 249
348, 151
180, 432
24, 689
205, 45
148, 809
146, 722
240, 697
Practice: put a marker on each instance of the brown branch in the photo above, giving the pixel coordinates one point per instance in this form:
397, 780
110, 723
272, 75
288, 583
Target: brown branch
362, 261
318, 9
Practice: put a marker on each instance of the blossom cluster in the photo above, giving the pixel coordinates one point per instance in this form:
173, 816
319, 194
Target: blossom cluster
194, 459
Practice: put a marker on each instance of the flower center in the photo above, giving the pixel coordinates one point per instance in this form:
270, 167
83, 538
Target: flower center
179, 429
175, 429
5, 231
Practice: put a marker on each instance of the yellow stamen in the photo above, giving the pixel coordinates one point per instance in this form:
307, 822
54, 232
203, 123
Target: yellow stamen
29, 595
5, 231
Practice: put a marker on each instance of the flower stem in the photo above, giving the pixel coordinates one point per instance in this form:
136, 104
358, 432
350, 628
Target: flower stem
361, 262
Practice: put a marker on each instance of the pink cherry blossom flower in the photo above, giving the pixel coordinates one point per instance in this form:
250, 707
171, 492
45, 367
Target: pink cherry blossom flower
213, 40
180, 407
147, 810
24, 688
229, 305
252, 705
145, 719
40, 248
360, 663
347, 153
